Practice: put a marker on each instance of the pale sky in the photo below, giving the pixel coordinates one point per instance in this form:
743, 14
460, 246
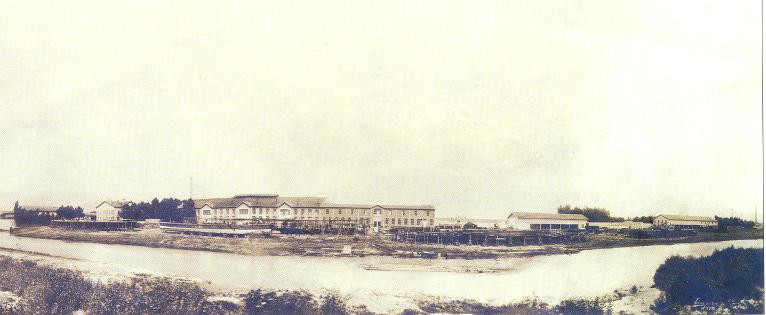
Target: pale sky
477, 107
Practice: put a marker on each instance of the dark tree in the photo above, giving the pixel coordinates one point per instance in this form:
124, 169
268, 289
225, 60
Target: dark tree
168, 209
24, 217
727, 276
723, 223
593, 214
69, 212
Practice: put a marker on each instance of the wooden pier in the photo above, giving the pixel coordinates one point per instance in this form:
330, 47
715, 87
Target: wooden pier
96, 225
487, 237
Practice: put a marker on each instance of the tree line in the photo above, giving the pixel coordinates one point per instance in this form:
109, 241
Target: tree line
167, 209
603, 215
34, 216
593, 214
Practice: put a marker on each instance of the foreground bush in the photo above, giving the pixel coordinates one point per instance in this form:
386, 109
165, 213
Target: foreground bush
45, 290
48, 290
297, 302
147, 295
528, 307
729, 280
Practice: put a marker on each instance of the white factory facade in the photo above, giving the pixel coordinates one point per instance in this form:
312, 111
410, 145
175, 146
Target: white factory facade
242, 209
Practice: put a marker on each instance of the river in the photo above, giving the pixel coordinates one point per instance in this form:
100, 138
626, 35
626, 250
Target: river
383, 283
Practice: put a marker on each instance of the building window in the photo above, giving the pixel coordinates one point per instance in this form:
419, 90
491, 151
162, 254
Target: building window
412, 221
340, 211
399, 221
403, 214
386, 221
431, 222
242, 211
416, 213
534, 226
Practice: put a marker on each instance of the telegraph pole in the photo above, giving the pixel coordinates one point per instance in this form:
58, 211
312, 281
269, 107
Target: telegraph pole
191, 188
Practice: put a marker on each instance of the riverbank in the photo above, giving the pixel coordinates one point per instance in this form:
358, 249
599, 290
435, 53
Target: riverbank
32, 288
329, 246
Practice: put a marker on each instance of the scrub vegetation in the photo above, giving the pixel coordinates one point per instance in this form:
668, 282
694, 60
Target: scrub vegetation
47, 290
728, 281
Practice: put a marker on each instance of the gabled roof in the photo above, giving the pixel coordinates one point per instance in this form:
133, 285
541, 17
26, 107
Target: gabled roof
262, 200
548, 216
302, 202
347, 205
273, 201
405, 207
115, 203
369, 206
677, 217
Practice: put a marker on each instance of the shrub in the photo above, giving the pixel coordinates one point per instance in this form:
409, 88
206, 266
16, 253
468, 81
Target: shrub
280, 302
727, 276
334, 304
148, 295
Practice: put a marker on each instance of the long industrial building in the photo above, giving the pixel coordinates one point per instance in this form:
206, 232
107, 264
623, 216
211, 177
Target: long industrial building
246, 208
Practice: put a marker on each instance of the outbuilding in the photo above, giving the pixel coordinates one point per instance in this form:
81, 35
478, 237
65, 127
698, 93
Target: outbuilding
546, 221
683, 221
110, 210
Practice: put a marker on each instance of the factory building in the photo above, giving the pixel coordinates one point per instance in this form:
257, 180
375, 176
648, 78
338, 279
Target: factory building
242, 209
546, 221
683, 221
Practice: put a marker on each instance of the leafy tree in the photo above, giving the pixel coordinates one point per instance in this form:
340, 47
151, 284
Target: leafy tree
167, 209
727, 276
23, 216
69, 212
593, 214
734, 222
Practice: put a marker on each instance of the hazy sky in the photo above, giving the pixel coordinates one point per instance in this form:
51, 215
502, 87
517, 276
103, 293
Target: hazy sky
476, 107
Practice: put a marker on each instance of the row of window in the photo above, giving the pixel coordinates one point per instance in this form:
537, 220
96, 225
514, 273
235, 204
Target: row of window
310, 211
553, 226
398, 221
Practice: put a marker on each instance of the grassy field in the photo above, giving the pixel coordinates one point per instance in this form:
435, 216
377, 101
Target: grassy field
313, 245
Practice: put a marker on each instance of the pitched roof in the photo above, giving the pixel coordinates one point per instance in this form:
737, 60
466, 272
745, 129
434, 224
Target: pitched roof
677, 217
270, 200
297, 202
115, 203
405, 207
548, 216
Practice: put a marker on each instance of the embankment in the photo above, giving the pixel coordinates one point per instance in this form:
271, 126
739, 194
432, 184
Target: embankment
313, 245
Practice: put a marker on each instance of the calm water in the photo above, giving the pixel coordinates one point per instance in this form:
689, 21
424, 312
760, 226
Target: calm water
6, 224
549, 278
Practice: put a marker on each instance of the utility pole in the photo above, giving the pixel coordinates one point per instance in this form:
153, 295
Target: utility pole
191, 188
755, 214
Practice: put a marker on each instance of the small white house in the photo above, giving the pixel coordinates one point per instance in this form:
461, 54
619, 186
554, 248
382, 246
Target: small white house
683, 221
546, 221
460, 222
110, 210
